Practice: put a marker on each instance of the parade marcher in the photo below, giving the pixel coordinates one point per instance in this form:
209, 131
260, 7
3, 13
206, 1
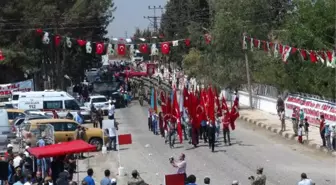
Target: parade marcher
185, 126
333, 137
161, 123
226, 128
149, 119
212, 135
194, 134
172, 132
93, 111
204, 131
327, 132
260, 179
154, 123
218, 123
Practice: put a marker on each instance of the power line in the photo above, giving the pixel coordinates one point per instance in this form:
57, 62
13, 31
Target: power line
154, 19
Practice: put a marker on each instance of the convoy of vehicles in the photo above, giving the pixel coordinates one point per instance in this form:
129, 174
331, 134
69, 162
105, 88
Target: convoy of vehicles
99, 102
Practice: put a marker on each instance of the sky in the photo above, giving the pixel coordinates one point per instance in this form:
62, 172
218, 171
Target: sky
130, 15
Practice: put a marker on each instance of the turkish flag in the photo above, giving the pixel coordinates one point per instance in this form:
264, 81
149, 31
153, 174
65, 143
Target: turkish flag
165, 48
122, 49
187, 42
99, 48
163, 102
218, 105
125, 139
224, 105
234, 114
144, 48
211, 105
2, 57
168, 105
176, 114
57, 40
81, 43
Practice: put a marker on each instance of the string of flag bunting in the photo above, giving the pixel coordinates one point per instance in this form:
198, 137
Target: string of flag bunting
121, 47
326, 57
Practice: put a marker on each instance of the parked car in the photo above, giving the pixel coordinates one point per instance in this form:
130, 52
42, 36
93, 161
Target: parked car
21, 121
99, 102
64, 130
14, 113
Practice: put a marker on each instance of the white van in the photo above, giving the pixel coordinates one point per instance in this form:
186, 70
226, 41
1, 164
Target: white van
5, 129
47, 101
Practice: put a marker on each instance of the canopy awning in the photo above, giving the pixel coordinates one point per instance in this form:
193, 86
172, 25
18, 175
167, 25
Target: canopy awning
71, 147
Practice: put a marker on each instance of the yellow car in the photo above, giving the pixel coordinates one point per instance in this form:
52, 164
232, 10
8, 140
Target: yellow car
64, 130
14, 113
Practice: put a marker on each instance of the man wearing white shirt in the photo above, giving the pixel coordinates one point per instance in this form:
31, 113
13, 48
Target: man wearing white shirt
112, 133
111, 110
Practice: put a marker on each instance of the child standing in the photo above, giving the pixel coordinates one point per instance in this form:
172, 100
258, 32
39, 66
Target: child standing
300, 132
306, 127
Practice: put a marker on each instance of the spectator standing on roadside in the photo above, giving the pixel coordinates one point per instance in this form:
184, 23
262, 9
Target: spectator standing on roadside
88, 179
111, 110
280, 106
302, 116
305, 180
106, 180
333, 137
282, 119
327, 132
300, 133
306, 127
181, 165
322, 129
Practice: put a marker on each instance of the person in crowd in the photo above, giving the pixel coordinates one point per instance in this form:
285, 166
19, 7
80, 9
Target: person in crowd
106, 180
280, 106
302, 116
212, 135
161, 124
172, 132
260, 179
295, 120
9, 153
69, 116
185, 121
327, 132
125, 95
136, 179
71, 163
100, 117
206, 180
79, 118
191, 180
226, 128
181, 165
80, 134
305, 180
11, 171
204, 131
57, 166
218, 123
18, 175
39, 179
282, 119
300, 133
112, 133
63, 178
55, 115
20, 181
111, 110
322, 129
88, 179
149, 119
154, 123
29, 181
333, 137
93, 111
306, 127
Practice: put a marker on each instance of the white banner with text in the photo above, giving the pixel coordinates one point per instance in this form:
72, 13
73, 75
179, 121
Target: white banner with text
24, 86
312, 108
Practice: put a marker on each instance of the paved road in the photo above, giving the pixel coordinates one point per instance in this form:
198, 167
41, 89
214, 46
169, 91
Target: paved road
283, 160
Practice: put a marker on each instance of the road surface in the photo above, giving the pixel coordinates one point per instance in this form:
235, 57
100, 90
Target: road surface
283, 160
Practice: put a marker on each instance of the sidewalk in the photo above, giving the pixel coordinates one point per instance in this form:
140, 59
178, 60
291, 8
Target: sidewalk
272, 123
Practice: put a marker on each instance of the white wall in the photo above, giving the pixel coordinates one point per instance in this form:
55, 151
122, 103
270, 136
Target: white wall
263, 103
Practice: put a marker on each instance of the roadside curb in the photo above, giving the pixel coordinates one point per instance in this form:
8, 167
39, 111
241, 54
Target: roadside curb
285, 135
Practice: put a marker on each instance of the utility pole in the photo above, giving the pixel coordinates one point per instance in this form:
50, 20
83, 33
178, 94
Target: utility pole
154, 19
126, 36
